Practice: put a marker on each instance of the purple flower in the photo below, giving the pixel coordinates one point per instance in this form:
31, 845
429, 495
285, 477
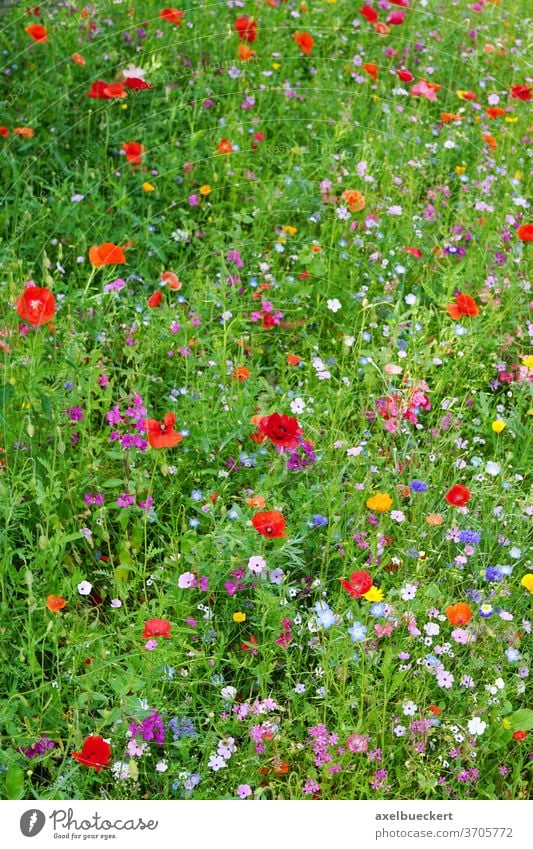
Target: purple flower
42, 745
418, 486
125, 500
151, 728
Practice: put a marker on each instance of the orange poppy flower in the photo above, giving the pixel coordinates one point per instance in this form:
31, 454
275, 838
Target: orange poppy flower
241, 373
162, 434
525, 232
155, 299
371, 69
464, 305
25, 132
257, 502
435, 710
450, 117
78, 59
134, 152
106, 254
225, 146
173, 16
381, 28
491, 141
459, 614
293, 359
55, 603
37, 33
172, 280
495, 112
36, 305
269, 524
305, 42
113, 90
355, 200
245, 53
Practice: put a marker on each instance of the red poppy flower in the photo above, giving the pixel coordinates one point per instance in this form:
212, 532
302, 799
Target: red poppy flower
36, 305
396, 18
464, 305
97, 90
495, 112
525, 232
246, 28
369, 14
37, 32
458, 495
305, 42
269, 524
173, 16
459, 614
106, 254
520, 735
4, 132
283, 430
156, 628
225, 146
250, 645
413, 252
135, 84
405, 76
95, 753
155, 299
134, 152
521, 92
371, 69
359, 583
435, 710
162, 434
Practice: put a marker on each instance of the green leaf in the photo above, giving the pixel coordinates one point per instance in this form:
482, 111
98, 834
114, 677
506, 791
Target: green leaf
15, 782
521, 720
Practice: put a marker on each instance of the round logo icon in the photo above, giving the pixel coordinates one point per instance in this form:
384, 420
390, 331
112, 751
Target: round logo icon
32, 822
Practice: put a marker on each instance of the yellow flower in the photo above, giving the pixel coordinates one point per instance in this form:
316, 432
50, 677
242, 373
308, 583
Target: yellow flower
460, 169
528, 362
276, 66
498, 426
239, 617
205, 190
506, 723
289, 231
527, 582
380, 502
148, 187
374, 594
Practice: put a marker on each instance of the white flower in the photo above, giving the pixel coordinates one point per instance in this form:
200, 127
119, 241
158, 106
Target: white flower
410, 299
408, 591
228, 693
85, 588
409, 708
298, 405
515, 552
349, 341
397, 515
256, 564
492, 468
432, 629
162, 766
476, 726
334, 305
399, 730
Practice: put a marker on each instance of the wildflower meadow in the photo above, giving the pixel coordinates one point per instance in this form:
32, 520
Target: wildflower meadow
266, 402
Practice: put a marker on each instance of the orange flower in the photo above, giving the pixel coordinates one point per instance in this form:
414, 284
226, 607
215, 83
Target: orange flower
134, 152
55, 603
25, 132
495, 112
256, 502
371, 69
241, 373
491, 141
225, 146
381, 28
434, 519
245, 53
173, 16
435, 710
380, 502
172, 280
270, 524
37, 33
162, 434
355, 200
115, 90
459, 614
525, 232
78, 59
464, 305
305, 42
106, 254
450, 117
293, 359
155, 299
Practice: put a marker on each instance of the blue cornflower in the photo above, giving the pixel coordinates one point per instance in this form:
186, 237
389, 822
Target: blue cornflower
486, 610
358, 632
196, 495
418, 486
472, 537
319, 521
512, 655
493, 574
325, 617
378, 609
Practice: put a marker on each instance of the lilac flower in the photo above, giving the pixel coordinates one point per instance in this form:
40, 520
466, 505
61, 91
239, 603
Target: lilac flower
43, 745
125, 500
150, 728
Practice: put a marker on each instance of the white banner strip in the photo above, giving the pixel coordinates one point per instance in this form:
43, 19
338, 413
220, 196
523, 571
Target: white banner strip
267, 825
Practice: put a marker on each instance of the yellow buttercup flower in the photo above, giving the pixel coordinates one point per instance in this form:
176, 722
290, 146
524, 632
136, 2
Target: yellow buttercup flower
498, 426
527, 582
374, 594
528, 362
506, 723
148, 187
205, 190
380, 502
289, 231
239, 617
